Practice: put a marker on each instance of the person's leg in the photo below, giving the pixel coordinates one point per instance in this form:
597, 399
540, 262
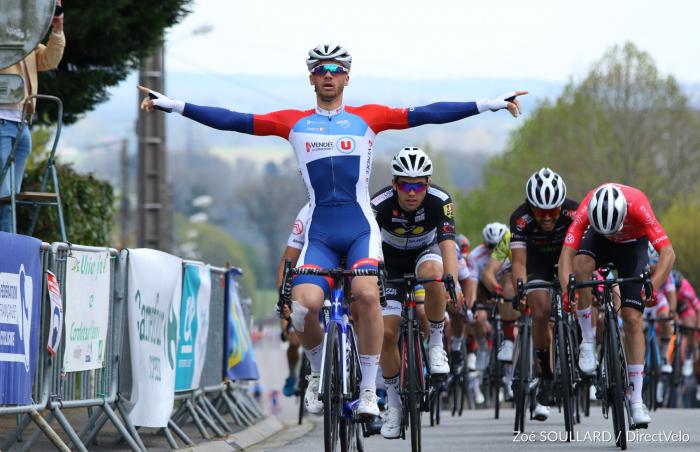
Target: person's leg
24, 147
8, 132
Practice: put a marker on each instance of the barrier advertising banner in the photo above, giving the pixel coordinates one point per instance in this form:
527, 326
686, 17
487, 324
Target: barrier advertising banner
56, 326
20, 309
87, 310
194, 326
240, 360
155, 282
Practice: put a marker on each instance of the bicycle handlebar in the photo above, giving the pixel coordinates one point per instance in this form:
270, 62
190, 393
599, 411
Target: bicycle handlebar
522, 288
285, 291
447, 280
644, 278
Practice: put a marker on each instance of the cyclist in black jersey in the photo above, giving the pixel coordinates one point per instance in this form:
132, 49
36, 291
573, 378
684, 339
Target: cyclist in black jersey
416, 220
538, 227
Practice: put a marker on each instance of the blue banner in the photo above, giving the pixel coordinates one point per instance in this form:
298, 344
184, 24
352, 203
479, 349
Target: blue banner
20, 309
239, 356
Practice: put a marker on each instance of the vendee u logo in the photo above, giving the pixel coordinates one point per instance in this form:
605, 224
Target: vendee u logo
345, 145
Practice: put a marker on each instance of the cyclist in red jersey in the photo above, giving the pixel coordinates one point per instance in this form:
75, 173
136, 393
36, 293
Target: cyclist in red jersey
622, 224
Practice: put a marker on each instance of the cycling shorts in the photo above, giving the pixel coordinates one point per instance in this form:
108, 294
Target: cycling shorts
630, 258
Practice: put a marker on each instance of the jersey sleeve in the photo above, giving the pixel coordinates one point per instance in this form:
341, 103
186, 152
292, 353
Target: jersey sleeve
462, 268
502, 251
441, 113
446, 225
578, 226
297, 237
381, 117
278, 123
643, 214
518, 223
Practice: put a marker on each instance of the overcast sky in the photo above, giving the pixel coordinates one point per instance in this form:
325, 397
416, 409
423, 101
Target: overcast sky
543, 39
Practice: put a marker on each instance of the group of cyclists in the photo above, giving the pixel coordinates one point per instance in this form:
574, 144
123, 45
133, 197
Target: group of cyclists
409, 226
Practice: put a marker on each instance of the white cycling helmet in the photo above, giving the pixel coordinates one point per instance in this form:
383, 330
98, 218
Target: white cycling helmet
607, 209
411, 162
493, 233
545, 189
329, 52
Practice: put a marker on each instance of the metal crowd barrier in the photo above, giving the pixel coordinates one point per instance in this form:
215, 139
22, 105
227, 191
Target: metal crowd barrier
44, 365
101, 391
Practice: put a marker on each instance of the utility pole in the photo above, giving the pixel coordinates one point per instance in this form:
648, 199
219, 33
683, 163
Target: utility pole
154, 226
124, 207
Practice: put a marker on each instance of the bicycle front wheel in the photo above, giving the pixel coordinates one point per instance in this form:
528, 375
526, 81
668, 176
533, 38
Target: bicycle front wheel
615, 386
332, 390
565, 386
415, 391
304, 369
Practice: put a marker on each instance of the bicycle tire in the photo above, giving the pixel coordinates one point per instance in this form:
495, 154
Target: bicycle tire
331, 390
565, 379
304, 370
616, 387
414, 389
653, 374
462, 388
348, 428
452, 393
521, 388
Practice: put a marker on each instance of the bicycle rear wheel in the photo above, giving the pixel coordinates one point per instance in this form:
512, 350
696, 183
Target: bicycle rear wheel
331, 390
415, 391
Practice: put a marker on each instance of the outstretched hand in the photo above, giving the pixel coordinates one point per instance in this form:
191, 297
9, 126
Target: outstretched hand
514, 103
158, 101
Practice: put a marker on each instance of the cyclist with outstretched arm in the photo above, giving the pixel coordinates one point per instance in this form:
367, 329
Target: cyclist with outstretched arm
333, 146
614, 223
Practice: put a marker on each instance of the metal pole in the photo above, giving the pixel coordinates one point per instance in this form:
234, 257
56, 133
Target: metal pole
153, 226
124, 221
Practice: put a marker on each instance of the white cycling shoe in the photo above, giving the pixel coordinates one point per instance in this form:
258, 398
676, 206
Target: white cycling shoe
368, 403
313, 404
391, 428
586, 358
438, 360
687, 368
640, 414
471, 361
478, 395
541, 412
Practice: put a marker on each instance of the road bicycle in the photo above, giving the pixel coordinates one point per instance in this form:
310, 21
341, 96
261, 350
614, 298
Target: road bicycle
415, 378
340, 364
612, 381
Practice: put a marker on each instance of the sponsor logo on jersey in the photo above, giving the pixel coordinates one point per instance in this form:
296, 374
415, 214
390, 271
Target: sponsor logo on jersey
345, 145
313, 146
414, 230
344, 123
298, 227
448, 228
420, 217
449, 210
522, 222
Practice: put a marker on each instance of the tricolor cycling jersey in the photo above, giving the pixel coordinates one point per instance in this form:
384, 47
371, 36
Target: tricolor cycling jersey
639, 221
333, 148
296, 237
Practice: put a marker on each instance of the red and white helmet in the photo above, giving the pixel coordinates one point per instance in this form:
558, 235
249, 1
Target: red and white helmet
607, 209
329, 52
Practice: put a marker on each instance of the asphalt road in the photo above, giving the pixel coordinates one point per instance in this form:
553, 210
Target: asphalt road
477, 429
